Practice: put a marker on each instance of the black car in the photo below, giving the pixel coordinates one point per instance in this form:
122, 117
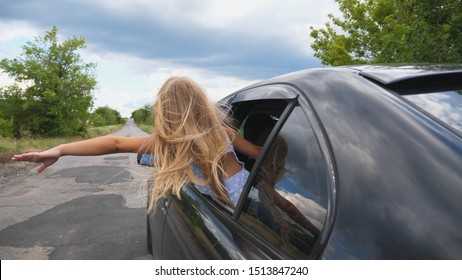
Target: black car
361, 162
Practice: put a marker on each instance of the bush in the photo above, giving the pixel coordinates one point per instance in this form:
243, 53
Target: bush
104, 116
143, 115
6, 128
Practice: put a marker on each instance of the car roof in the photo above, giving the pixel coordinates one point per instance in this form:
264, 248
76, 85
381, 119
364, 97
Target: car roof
403, 79
398, 74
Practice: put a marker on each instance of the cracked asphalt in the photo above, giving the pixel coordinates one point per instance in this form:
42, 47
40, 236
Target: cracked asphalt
80, 208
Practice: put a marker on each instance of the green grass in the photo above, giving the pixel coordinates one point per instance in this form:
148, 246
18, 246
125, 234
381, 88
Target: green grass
103, 130
10, 146
148, 128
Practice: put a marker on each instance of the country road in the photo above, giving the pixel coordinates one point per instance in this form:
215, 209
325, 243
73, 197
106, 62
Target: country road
79, 208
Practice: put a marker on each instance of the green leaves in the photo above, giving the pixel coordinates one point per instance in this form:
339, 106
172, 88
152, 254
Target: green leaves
104, 116
59, 96
391, 31
143, 115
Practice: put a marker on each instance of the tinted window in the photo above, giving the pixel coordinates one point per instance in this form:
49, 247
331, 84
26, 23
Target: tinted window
287, 202
446, 106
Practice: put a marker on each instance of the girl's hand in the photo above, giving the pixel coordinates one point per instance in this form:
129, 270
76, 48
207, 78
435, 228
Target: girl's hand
47, 158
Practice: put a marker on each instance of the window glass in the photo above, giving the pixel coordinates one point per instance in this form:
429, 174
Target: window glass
446, 106
287, 203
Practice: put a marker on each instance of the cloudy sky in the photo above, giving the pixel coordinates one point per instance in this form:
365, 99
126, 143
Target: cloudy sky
222, 44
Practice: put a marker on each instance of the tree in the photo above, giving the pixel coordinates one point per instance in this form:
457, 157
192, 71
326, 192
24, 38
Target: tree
103, 116
11, 112
58, 101
391, 31
143, 115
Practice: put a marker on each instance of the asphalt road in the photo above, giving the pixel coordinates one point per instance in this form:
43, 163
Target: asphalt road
79, 208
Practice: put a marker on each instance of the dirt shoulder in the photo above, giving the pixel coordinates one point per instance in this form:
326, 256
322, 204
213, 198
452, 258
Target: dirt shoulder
10, 169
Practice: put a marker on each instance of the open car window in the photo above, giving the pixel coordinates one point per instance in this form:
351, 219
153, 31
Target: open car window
254, 120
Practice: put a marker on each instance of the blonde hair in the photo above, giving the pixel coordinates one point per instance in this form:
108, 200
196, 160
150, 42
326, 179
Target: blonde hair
188, 129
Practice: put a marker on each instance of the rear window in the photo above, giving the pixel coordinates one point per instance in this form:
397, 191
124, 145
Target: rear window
446, 106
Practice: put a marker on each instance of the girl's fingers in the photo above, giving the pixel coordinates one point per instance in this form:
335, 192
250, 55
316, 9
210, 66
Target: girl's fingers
41, 167
26, 157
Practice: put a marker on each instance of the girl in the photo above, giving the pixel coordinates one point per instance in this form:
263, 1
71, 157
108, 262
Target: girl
193, 141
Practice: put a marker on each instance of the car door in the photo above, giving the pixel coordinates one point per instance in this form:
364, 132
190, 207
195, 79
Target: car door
285, 203
199, 227
155, 222
193, 230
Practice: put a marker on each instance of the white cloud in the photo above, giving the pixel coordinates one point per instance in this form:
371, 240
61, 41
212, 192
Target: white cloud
14, 34
126, 83
445, 106
284, 22
16, 29
235, 40
309, 208
5, 80
208, 14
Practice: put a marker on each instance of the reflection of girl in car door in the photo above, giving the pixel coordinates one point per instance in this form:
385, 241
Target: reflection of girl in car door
274, 206
189, 131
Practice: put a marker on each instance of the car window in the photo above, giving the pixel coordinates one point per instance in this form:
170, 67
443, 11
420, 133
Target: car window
254, 120
446, 106
287, 202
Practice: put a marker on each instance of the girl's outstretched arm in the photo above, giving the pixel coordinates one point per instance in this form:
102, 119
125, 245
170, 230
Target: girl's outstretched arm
96, 146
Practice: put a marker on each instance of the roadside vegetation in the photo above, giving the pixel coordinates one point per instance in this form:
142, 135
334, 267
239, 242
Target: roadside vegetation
385, 31
10, 146
52, 94
143, 118
51, 99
